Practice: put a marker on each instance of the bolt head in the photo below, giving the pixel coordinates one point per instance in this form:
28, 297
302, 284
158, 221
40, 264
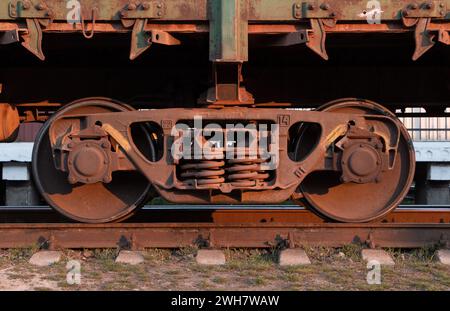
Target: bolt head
146, 5
414, 6
131, 7
311, 7
41, 6
429, 5
325, 6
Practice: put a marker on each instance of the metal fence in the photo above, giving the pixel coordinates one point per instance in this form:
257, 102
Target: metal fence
427, 128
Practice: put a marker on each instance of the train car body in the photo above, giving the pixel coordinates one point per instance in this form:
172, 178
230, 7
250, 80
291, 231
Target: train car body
222, 101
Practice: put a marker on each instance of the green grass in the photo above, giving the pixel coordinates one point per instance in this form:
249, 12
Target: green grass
21, 254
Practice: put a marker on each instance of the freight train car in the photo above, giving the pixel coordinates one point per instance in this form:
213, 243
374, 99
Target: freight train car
197, 101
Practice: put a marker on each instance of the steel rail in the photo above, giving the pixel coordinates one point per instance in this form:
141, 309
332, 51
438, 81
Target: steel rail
253, 228
260, 235
221, 214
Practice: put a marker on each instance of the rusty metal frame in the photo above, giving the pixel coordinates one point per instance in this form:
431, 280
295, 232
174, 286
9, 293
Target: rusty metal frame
197, 10
228, 40
175, 235
289, 174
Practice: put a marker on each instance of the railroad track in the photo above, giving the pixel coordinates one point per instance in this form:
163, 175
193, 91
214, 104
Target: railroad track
254, 227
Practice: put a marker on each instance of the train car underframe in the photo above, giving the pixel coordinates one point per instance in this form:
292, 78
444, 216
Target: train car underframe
97, 159
88, 166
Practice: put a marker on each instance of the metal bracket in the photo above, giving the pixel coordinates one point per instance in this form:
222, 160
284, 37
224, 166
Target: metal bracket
370, 242
426, 9
423, 38
141, 39
444, 37
317, 37
313, 10
33, 39
164, 38
143, 10
289, 39
28, 9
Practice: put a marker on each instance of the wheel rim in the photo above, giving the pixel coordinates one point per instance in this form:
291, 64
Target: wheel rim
351, 202
91, 203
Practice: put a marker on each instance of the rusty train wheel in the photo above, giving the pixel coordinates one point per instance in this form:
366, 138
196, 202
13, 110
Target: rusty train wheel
91, 203
326, 195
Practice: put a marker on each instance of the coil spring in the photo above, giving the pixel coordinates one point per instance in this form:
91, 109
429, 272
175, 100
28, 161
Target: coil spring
204, 172
245, 172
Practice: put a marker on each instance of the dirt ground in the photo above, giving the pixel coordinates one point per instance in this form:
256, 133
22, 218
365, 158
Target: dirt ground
331, 269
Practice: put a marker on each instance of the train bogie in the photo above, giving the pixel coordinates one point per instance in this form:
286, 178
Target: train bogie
214, 100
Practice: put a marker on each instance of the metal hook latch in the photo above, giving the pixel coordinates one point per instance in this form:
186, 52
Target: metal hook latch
84, 28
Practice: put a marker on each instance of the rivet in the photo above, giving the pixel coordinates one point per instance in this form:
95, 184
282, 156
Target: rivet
325, 6
40, 7
428, 5
26, 5
146, 5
